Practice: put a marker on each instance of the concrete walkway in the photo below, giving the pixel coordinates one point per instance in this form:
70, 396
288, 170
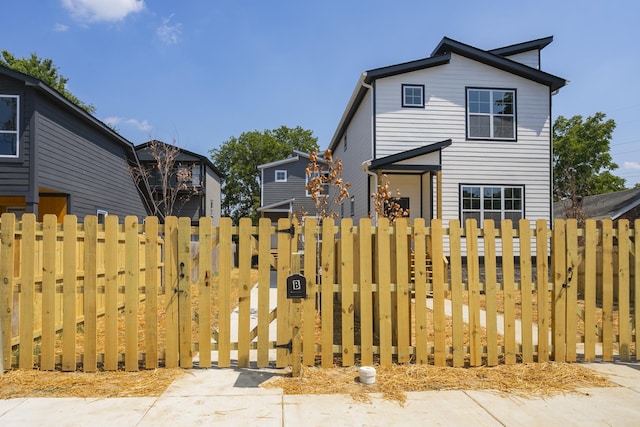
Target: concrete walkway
233, 397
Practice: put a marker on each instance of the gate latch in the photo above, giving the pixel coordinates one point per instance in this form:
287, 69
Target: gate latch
288, 346
291, 230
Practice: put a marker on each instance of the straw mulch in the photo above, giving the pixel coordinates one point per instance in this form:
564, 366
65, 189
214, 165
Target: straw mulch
32, 383
522, 380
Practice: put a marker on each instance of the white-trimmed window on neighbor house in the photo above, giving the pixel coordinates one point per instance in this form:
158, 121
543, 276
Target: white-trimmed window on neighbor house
491, 114
102, 215
281, 176
494, 202
325, 186
9, 112
413, 96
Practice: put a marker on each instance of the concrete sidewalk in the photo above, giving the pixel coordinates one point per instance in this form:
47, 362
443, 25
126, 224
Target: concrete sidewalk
233, 397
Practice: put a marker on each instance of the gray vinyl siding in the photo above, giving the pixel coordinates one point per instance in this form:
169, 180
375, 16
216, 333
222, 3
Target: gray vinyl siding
525, 161
213, 186
14, 172
530, 58
84, 162
294, 188
359, 149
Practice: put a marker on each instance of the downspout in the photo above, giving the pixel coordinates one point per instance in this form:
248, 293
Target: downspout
365, 167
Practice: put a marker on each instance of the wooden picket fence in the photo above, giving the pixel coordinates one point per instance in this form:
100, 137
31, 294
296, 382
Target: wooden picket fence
137, 295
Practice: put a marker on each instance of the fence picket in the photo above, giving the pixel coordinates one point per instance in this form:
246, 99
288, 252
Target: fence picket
326, 296
346, 291
131, 293
573, 261
420, 278
590, 263
69, 293
264, 283
151, 274
366, 294
384, 292
475, 329
526, 289
403, 317
170, 265
111, 293
7, 274
624, 314
90, 362
27, 300
244, 291
607, 290
508, 292
457, 292
542, 285
490, 292
223, 291
636, 286
439, 322
283, 356
185, 310
559, 275
311, 274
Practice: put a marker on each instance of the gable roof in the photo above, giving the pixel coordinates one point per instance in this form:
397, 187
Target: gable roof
383, 162
59, 99
441, 56
294, 158
187, 153
603, 206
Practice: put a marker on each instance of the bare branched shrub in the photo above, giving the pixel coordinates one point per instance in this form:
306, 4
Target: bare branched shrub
168, 183
325, 184
386, 204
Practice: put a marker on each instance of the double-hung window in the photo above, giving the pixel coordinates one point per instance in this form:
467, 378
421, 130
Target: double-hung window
9, 107
494, 202
491, 114
323, 185
281, 176
413, 96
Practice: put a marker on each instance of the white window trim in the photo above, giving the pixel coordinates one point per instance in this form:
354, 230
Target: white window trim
502, 201
17, 131
325, 185
491, 115
413, 86
282, 179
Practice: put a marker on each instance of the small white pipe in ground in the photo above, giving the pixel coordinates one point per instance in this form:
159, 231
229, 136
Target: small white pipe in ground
367, 375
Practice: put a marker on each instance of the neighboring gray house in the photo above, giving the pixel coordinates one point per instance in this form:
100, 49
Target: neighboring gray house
205, 183
55, 158
463, 133
283, 188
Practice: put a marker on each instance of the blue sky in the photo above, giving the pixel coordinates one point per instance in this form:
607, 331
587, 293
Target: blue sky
198, 72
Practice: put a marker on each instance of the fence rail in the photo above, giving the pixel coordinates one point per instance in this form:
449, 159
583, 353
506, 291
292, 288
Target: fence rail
129, 295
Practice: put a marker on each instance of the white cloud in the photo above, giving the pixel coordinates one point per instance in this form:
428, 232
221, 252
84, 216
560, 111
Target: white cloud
102, 10
169, 34
141, 125
60, 28
631, 165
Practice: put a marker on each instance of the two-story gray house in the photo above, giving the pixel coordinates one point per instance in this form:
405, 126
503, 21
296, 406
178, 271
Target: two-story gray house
283, 188
202, 195
55, 158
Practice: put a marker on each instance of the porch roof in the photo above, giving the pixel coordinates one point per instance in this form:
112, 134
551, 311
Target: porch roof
281, 206
393, 162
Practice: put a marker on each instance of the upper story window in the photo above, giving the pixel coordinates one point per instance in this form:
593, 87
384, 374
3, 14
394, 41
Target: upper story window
9, 125
491, 114
196, 179
413, 96
323, 185
281, 176
492, 202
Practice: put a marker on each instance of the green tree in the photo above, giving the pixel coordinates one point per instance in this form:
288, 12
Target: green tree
45, 70
238, 159
582, 163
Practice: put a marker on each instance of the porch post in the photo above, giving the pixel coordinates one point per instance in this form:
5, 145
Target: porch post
439, 194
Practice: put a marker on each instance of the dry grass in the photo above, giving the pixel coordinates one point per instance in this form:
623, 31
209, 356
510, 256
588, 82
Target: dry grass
32, 383
524, 380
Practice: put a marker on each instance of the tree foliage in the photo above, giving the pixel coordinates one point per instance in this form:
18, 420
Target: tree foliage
47, 72
386, 204
238, 160
582, 164
325, 184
